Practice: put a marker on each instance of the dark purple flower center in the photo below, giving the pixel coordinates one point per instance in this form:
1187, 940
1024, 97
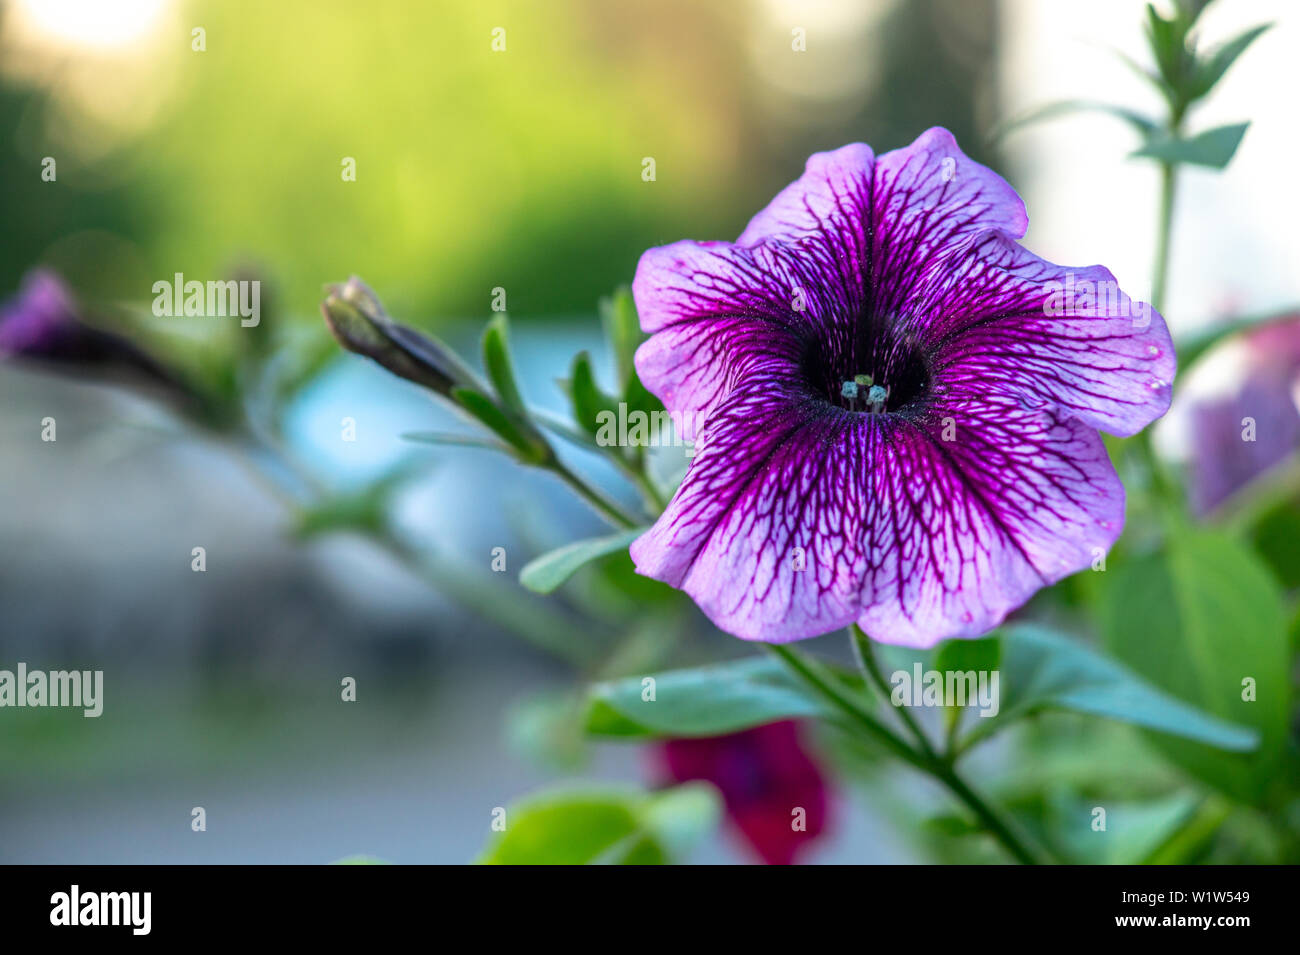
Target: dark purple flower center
876, 369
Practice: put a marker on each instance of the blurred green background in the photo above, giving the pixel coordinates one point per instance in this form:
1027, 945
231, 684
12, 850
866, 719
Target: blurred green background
475, 168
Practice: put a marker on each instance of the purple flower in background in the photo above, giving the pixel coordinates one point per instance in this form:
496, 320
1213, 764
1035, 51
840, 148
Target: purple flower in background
895, 405
40, 321
771, 787
1236, 437
43, 323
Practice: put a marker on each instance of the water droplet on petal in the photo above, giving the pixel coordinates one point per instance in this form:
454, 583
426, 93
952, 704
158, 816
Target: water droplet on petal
1153, 351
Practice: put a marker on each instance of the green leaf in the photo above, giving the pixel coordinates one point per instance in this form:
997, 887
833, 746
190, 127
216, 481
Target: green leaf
500, 369
1144, 126
622, 331
963, 655
1274, 534
1168, 42
1213, 148
566, 828
453, 440
587, 398
704, 701
1133, 830
580, 827
1210, 69
639, 398
1155, 79
547, 730
531, 448
543, 574
365, 509
1201, 620
681, 817
1043, 670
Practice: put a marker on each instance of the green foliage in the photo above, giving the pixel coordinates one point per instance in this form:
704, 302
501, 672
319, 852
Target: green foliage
1202, 620
364, 511
1144, 125
622, 326
705, 701
1133, 833
1037, 670
529, 445
593, 826
1043, 670
547, 729
1213, 147
586, 396
500, 366
963, 655
544, 574
1274, 533
1210, 68
1184, 77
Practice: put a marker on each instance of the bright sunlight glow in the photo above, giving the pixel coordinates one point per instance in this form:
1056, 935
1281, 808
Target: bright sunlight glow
97, 24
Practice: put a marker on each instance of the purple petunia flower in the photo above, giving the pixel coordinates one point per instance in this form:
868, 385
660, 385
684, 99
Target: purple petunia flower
899, 404
40, 321
1264, 405
43, 323
771, 786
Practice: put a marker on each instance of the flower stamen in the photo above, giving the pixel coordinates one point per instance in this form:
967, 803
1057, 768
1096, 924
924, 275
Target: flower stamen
864, 387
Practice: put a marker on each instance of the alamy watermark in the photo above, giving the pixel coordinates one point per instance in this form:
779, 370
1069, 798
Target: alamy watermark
83, 689
921, 687
75, 907
1086, 298
178, 298
644, 429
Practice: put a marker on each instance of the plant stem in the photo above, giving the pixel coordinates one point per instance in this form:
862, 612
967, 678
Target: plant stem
648, 490
1164, 230
825, 684
531, 620
1160, 484
592, 496
1000, 828
866, 658
654, 500
816, 677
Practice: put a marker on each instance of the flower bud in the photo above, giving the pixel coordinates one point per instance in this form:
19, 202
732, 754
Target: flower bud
357, 319
43, 323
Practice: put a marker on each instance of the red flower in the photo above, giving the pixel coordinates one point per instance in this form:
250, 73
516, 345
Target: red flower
773, 789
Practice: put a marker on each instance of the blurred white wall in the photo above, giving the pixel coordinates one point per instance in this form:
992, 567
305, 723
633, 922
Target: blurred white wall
1236, 245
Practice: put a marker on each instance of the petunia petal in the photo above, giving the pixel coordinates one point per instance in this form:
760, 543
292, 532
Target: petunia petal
718, 313
931, 200
796, 519
832, 199
1002, 318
